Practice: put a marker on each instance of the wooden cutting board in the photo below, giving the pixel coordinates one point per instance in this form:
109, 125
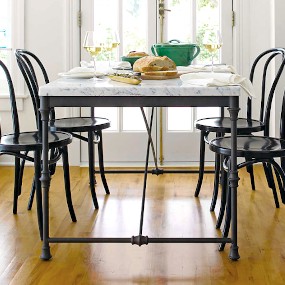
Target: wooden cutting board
158, 77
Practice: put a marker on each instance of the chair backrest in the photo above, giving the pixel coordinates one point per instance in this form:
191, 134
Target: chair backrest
267, 59
26, 62
14, 111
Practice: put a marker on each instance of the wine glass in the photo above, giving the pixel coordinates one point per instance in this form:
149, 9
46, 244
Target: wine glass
212, 42
112, 41
93, 43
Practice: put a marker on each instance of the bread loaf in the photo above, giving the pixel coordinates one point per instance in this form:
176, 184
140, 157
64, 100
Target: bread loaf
154, 63
161, 73
136, 53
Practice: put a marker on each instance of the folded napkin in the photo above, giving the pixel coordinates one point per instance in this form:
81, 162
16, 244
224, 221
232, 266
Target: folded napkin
204, 68
218, 79
122, 65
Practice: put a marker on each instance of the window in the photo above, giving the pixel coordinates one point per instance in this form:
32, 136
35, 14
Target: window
11, 37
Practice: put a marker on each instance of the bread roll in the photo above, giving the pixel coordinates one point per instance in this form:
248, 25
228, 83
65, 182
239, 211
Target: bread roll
154, 63
126, 78
136, 53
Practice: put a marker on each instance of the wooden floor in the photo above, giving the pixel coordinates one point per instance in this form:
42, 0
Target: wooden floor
171, 210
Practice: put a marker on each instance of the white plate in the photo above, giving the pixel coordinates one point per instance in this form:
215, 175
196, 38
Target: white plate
85, 75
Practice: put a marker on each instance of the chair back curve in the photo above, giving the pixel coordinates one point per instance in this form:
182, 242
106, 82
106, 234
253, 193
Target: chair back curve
271, 58
28, 63
14, 111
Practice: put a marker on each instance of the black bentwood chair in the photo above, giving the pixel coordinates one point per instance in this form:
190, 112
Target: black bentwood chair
245, 126
260, 149
19, 144
93, 126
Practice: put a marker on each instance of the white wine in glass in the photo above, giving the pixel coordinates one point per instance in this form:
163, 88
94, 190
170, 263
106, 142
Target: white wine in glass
111, 43
212, 42
93, 44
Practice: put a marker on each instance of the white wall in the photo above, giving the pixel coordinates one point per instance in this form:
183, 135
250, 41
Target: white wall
260, 25
279, 39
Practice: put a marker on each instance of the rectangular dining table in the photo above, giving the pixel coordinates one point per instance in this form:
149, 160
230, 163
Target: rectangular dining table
65, 92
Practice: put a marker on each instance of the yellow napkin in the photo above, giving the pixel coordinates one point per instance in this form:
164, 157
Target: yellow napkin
211, 79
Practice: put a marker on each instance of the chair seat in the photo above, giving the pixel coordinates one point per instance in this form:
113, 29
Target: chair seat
79, 124
30, 141
250, 146
223, 125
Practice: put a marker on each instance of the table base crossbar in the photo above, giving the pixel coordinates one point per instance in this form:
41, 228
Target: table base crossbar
138, 240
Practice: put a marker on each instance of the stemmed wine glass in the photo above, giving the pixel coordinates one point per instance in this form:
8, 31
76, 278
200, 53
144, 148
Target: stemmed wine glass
212, 42
93, 43
112, 41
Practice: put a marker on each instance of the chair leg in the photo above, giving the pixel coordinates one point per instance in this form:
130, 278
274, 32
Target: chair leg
249, 169
201, 163
52, 167
16, 185
91, 168
280, 184
269, 182
268, 170
32, 194
67, 183
218, 159
223, 199
227, 218
21, 173
37, 165
101, 162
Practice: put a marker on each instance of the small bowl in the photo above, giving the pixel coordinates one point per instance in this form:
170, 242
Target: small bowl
130, 59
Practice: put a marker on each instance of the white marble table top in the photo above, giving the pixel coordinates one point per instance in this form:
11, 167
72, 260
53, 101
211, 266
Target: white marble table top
107, 87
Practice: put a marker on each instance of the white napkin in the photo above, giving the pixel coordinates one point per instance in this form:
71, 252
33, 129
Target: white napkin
122, 65
206, 68
84, 63
218, 79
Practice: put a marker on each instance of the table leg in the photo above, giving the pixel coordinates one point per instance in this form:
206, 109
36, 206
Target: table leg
45, 178
140, 239
233, 176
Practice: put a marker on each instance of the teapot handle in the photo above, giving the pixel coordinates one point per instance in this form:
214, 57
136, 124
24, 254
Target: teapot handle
174, 41
153, 50
197, 50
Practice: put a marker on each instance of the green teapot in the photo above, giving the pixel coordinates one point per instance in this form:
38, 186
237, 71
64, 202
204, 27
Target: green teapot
181, 53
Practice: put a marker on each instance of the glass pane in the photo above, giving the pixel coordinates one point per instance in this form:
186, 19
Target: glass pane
106, 25
207, 112
5, 56
133, 119
111, 114
134, 26
208, 16
179, 119
180, 16
5, 24
5, 41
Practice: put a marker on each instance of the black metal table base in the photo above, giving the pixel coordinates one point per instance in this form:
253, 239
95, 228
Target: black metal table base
141, 239
137, 240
